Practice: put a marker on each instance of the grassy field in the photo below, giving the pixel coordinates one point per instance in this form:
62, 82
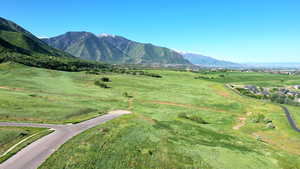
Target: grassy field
177, 121
47, 96
11, 136
254, 78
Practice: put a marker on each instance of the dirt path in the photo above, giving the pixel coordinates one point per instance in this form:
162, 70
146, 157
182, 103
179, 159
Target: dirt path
8, 88
32, 156
242, 122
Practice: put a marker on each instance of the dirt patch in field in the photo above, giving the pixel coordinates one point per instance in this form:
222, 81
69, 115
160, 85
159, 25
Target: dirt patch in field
222, 93
242, 122
130, 102
8, 88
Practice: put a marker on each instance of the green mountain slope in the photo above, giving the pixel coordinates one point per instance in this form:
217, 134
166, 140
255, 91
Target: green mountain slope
19, 45
113, 49
19, 37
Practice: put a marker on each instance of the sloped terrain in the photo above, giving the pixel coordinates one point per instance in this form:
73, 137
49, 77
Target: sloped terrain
19, 45
184, 125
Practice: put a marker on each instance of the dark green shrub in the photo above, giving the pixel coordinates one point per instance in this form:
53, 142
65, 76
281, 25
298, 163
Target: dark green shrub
23, 134
266, 120
192, 117
257, 118
125, 94
152, 75
101, 84
204, 77
105, 79
33, 95
274, 89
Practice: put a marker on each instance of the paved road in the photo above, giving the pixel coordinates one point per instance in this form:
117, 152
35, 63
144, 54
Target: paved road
32, 156
290, 120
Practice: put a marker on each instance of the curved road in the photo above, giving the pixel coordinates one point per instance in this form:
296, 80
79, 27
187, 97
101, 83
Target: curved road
32, 156
290, 119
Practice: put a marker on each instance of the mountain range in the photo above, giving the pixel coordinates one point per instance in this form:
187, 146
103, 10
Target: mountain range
19, 45
206, 61
113, 49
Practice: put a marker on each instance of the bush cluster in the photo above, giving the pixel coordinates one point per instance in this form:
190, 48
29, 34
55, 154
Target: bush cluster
204, 77
192, 118
260, 118
126, 94
124, 71
105, 79
101, 84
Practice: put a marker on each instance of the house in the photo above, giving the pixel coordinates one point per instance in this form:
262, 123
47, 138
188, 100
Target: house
283, 91
265, 93
292, 94
251, 88
296, 86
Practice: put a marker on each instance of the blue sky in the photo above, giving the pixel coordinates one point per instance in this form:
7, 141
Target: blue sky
235, 30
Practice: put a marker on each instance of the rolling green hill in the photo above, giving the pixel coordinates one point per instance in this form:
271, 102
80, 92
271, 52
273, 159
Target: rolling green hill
113, 49
19, 45
177, 121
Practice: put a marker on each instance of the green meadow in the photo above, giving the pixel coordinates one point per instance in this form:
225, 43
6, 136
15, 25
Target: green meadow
177, 121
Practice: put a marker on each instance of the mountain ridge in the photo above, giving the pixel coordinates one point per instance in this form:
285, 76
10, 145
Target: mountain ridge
207, 61
113, 49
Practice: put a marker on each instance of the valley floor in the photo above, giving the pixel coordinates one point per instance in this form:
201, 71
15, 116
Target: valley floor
177, 121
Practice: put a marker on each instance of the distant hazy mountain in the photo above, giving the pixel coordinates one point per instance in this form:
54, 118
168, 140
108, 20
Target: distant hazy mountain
207, 61
113, 49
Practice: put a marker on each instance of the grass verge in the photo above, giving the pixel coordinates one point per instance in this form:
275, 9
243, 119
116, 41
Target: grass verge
33, 135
